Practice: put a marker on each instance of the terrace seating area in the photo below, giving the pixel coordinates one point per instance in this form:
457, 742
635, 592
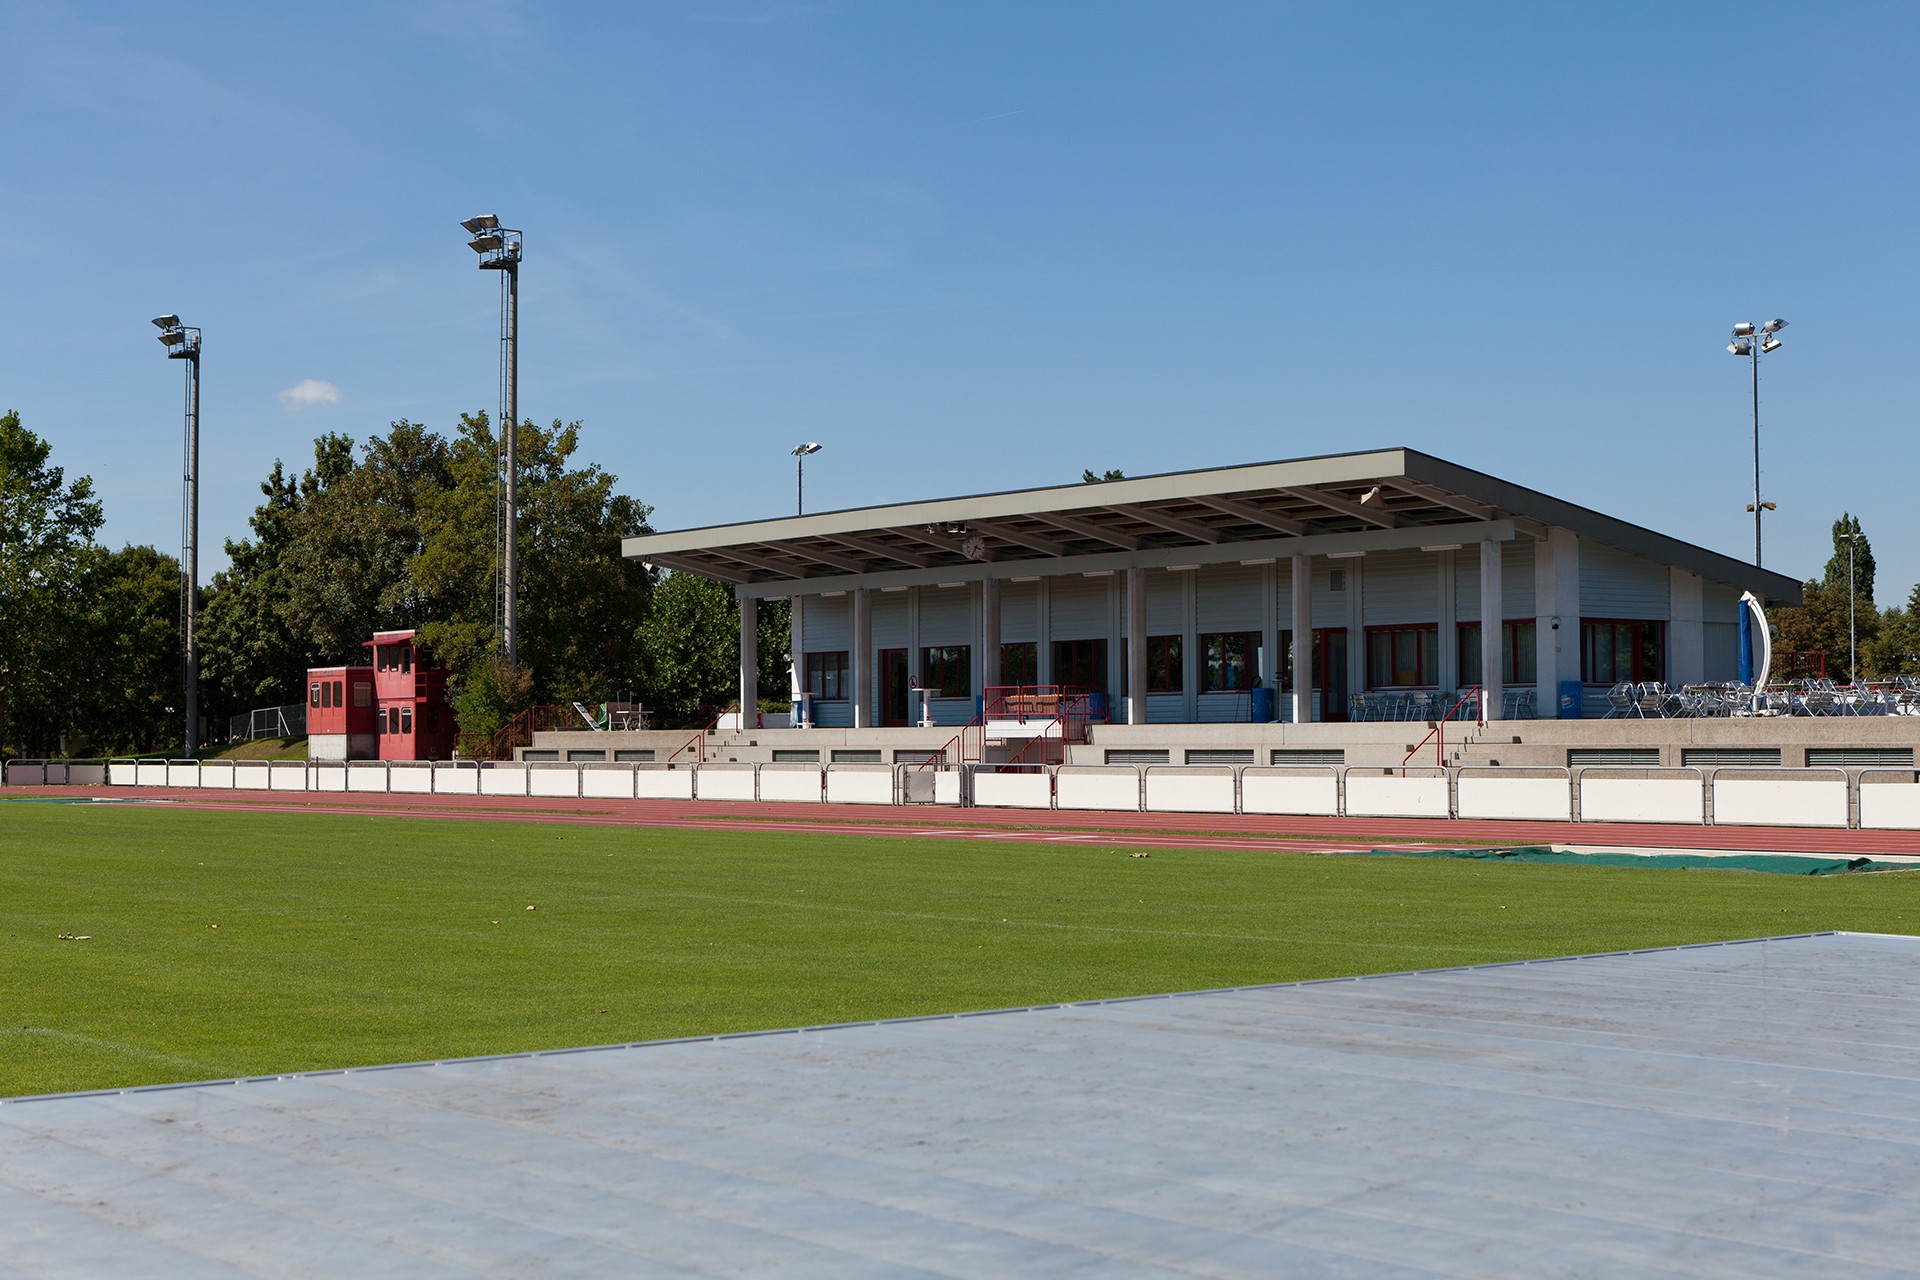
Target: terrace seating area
1811, 697
1431, 704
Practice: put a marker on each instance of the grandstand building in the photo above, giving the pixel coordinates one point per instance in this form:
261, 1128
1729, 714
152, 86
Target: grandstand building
1306, 591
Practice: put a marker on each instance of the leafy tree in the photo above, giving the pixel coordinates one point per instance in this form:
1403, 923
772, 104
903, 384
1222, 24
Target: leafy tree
47, 526
1845, 528
689, 664
1819, 624
1895, 651
1089, 477
581, 602
131, 698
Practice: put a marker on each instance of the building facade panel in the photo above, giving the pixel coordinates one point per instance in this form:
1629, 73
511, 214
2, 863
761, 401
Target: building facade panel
1618, 584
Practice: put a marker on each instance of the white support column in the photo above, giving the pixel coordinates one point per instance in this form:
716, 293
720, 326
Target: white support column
749, 663
989, 633
1136, 646
1556, 595
862, 657
1687, 632
1444, 570
797, 652
1492, 650
1356, 630
1269, 631
1302, 571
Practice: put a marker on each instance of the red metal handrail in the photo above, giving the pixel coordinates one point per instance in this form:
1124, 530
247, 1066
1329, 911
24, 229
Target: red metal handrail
517, 732
1440, 729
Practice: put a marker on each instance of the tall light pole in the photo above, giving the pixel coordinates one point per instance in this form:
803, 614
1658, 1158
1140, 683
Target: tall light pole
183, 343
499, 250
1754, 344
1853, 667
800, 452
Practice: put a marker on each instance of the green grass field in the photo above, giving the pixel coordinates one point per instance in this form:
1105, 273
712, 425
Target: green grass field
223, 944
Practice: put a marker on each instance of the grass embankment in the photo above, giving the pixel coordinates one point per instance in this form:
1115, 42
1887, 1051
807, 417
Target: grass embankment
235, 944
264, 749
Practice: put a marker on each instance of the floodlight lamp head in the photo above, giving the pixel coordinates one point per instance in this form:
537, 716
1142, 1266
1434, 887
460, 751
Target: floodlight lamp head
484, 243
166, 322
1769, 345
1743, 330
802, 450
481, 222
1775, 325
1740, 347
174, 337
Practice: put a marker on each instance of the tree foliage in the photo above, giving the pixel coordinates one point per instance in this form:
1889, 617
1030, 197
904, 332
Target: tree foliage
1845, 529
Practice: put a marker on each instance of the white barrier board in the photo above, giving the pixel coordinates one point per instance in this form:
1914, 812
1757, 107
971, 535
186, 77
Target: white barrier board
946, 787
368, 777
504, 780
1393, 796
724, 782
151, 773
1642, 800
250, 775
1171, 791
410, 779
183, 775
286, 775
217, 774
1296, 794
798, 783
1533, 799
1012, 790
1114, 789
456, 780
327, 775
123, 773
607, 784
663, 784
563, 781
1769, 802
1890, 806
859, 786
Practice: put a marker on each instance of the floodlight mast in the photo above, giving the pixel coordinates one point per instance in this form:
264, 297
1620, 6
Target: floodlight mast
183, 343
499, 250
1753, 342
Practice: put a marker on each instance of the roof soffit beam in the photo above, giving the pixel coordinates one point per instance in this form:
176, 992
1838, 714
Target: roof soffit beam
881, 550
948, 543
1254, 515
1366, 541
1020, 537
820, 555
753, 561
1440, 497
698, 568
1346, 507
1088, 529
1172, 524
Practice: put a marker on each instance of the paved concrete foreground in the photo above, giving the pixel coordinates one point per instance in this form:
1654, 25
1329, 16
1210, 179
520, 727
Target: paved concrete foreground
1748, 1110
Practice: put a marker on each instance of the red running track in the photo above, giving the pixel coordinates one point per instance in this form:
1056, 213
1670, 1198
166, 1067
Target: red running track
1153, 830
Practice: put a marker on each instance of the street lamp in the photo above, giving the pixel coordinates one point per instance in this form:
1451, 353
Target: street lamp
499, 250
1752, 343
800, 452
183, 343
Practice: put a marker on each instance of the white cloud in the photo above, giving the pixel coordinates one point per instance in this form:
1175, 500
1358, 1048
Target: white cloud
308, 392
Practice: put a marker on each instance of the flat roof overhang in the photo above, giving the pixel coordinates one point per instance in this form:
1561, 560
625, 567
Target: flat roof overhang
1380, 500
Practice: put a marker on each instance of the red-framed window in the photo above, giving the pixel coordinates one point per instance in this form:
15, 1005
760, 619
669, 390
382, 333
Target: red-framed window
1403, 657
1229, 661
1165, 668
1020, 663
827, 676
1081, 664
1617, 649
947, 669
313, 694
1518, 656
406, 720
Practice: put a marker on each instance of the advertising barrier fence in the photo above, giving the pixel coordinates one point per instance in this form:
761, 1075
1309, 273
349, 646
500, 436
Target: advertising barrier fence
1872, 798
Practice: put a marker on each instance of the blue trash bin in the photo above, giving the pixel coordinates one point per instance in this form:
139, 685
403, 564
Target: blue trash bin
1097, 707
1263, 706
1572, 695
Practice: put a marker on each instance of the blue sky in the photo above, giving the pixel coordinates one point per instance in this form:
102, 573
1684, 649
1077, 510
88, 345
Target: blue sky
983, 246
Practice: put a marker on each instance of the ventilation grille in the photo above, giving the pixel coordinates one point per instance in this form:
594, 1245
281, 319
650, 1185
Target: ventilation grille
539, 755
1649, 756
643, 755
1749, 756
1220, 755
1861, 757
1316, 756
853, 755
914, 756
1136, 755
580, 754
796, 757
